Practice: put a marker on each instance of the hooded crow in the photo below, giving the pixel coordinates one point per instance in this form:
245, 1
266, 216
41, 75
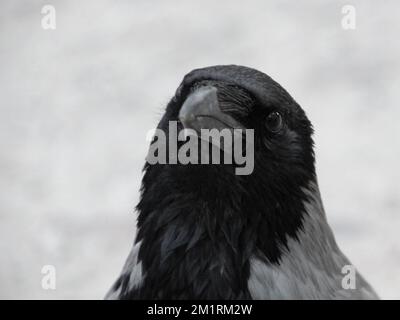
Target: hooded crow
205, 232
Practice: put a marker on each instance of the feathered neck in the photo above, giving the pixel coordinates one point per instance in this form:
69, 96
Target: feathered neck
194, 240
198, 234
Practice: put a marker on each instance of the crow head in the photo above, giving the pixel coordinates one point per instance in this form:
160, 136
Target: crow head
199, 224
238, 97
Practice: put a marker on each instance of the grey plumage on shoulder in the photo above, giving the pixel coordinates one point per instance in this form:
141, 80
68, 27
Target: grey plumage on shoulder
311, 266
131, 276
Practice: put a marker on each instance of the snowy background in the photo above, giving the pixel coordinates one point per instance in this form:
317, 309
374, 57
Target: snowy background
77, 102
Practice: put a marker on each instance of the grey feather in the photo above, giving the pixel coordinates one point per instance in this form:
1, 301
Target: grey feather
311, 266
132, 271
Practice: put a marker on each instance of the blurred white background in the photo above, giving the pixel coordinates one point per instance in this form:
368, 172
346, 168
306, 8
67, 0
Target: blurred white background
77, 102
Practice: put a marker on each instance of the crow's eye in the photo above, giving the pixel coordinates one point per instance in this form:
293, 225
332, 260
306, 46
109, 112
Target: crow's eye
274, 122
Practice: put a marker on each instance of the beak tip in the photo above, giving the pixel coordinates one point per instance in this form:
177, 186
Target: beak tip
197, 103
201, 110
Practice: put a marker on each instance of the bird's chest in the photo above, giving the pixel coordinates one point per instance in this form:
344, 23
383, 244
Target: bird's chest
196, 266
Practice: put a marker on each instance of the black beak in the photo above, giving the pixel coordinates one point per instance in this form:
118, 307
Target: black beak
201, 111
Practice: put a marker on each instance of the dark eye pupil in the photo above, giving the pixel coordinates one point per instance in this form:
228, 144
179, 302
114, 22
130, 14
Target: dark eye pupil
274, 122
